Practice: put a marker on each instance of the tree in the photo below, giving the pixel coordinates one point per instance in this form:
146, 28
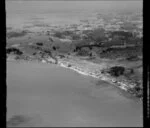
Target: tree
14, 50
83, 52
39, 44
117, 71
54, 48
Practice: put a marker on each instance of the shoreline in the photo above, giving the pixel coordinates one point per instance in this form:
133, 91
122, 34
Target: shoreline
125, 86
82, 90
98, 76
122, 85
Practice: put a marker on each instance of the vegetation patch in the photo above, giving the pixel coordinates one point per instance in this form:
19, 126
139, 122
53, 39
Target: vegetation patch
126, 52
83, 52
16, 34
132, 58
39, 44
14, 51
116, 71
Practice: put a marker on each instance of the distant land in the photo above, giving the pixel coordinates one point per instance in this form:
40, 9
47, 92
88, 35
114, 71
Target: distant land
74, 63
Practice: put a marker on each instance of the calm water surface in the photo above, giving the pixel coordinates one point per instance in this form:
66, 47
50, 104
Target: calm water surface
48, 95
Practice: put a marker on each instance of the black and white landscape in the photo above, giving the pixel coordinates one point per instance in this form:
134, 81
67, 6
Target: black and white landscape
74, 63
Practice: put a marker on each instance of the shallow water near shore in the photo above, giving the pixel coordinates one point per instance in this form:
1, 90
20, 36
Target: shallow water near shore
48, 95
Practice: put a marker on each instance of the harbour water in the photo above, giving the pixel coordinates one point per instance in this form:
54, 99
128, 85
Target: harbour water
49, 95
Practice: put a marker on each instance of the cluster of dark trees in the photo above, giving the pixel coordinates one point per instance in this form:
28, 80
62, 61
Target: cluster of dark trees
14, 50
39, 44
47, 51
132, 58
100, 36
83, 52
121, 33
130, 53
54, 48
117, 71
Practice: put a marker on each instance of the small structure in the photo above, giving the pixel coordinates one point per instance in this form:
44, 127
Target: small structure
51, 60
43, 61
